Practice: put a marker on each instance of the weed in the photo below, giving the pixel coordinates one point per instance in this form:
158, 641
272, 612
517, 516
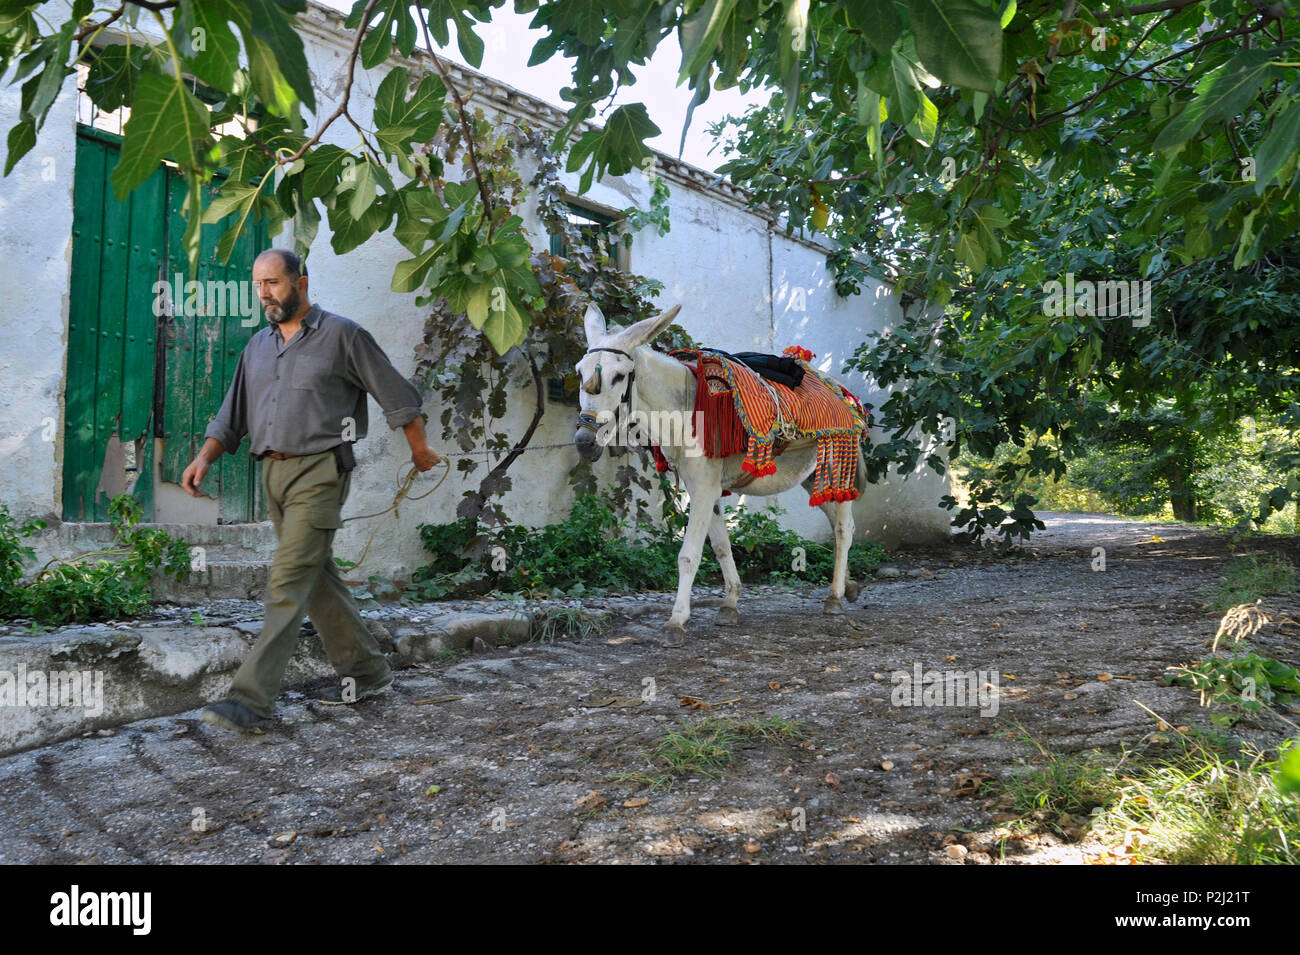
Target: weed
1205, 803
1247, 579
550, 623
114, 586
595, 551
705, 748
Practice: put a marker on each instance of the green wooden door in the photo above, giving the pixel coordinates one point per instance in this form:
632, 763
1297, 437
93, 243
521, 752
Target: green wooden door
119, 379
202, 347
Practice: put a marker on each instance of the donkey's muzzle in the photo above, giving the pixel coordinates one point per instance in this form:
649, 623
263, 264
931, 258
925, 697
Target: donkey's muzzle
584, 439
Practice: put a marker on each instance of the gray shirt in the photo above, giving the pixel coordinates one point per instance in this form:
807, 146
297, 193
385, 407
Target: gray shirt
296, 397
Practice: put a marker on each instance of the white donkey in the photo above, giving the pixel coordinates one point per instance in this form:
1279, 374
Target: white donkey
618, 370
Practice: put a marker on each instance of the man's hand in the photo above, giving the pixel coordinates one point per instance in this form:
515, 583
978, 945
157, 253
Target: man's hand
425, 458
194, 475
198, 469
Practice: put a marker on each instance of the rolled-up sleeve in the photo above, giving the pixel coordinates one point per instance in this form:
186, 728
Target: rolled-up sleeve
231, 423
369, 368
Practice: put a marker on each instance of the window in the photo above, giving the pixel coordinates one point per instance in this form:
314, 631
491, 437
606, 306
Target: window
599, 231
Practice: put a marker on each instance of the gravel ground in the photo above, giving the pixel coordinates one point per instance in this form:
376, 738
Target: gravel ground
522, 755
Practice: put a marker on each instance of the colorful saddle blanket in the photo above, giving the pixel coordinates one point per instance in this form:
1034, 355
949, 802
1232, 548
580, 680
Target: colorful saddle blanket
744, 414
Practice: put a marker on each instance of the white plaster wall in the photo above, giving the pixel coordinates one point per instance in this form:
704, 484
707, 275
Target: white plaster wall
732, 276
35, 262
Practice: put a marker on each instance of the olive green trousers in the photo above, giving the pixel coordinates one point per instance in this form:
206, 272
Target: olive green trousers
305, 496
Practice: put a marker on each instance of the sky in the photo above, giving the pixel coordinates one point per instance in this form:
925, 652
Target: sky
508, 43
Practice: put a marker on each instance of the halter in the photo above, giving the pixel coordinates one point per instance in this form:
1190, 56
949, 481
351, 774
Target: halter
588, 420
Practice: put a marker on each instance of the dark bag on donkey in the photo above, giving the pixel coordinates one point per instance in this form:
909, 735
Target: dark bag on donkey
778, 368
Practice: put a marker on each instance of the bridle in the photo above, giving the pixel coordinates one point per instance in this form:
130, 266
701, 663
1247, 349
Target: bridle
587, 420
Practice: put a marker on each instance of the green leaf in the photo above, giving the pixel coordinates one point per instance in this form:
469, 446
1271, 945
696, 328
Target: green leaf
699, 35
907, 88
277, 60
305, 226
347, 233
1220, 95
211, 53
325, 167
968, 250
235, 197
959, 41
363, 191
272, 86
21, 140
167, 121
1279, 145
617, 148
506, 328
1288, 772
378, 43
421, 114
476, 308
881, 21
51, 79
924, 124
112, 76
469, 42
794, 43
409, 275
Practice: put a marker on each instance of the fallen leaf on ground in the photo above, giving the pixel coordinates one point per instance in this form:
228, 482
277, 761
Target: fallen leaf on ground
887, 765
695, 703
593, 800
635, 803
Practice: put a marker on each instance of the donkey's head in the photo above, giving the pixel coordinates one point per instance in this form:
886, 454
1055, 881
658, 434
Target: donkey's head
608, 374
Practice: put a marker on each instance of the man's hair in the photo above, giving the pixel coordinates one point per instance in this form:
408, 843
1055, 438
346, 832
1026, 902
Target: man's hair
293, 265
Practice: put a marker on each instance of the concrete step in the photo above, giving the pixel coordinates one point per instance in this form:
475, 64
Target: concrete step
221, 542
222, 580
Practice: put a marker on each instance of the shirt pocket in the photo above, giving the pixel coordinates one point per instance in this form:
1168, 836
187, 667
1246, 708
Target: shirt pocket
311, 373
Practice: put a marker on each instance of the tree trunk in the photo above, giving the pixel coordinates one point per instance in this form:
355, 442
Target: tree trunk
1181, 495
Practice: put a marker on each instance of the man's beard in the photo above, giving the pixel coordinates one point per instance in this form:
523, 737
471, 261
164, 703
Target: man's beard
283, 311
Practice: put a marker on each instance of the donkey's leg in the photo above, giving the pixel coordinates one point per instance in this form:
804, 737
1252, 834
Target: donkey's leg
843, 539
831, 509
688, 559
721, 541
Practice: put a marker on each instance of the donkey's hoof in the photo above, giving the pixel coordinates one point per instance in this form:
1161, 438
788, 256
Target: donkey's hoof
851, 591
674, 635
833, 606
727, 616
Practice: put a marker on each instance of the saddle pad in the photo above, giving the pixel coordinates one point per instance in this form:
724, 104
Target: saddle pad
818, 408
744, 413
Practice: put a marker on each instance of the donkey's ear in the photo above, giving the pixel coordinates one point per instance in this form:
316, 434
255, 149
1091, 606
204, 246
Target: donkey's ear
648, 329
594, 321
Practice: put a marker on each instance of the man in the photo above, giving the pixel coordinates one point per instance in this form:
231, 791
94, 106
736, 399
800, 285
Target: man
299, 393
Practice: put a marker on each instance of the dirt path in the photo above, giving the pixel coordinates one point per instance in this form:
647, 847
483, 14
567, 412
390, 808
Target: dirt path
516, 754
